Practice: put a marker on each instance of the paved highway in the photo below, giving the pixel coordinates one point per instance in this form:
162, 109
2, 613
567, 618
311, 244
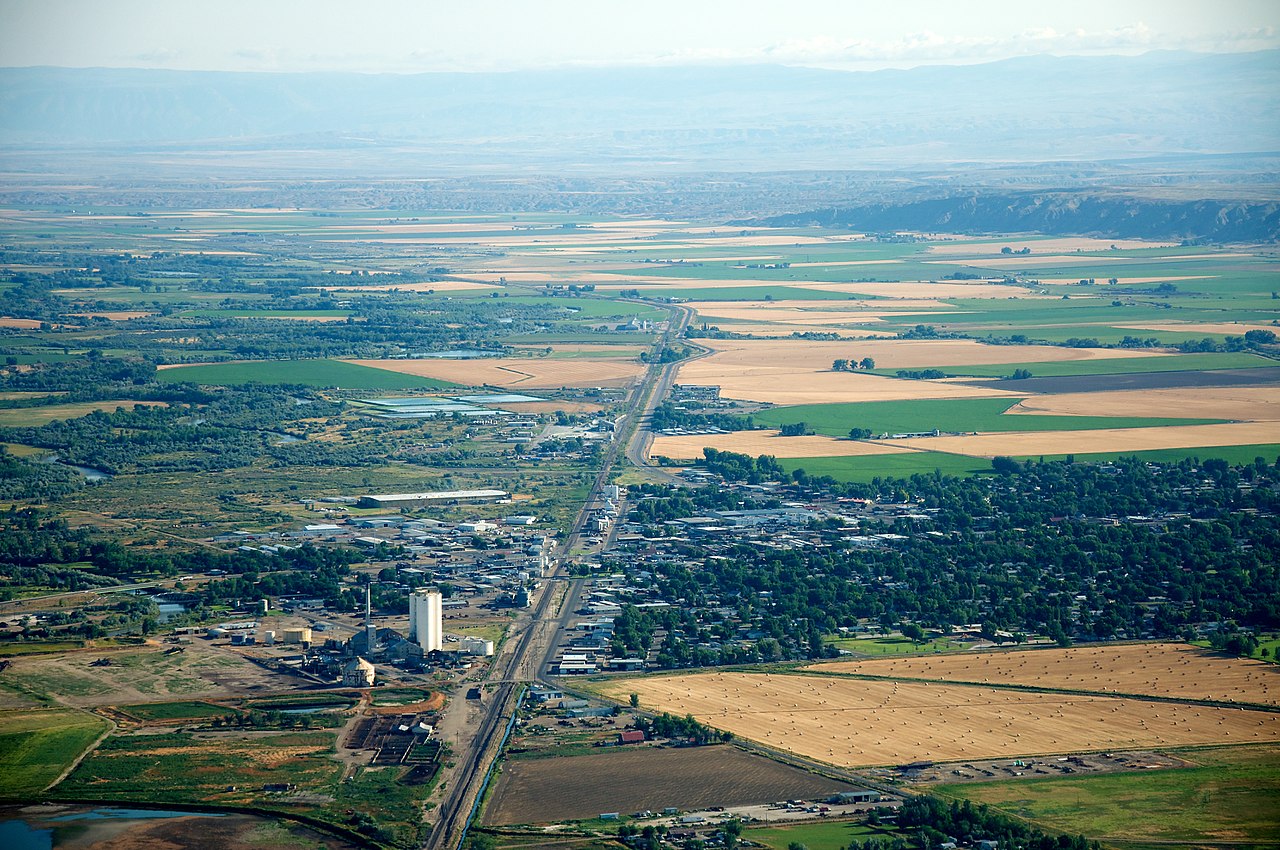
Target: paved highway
525, 659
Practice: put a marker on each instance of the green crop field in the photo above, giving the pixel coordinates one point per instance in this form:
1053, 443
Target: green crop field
763, 292
816, 835
179, 767
967, 414
36, 746
1228, 797
1235, 455
184, 710
311, 373
1109, 366
902, 465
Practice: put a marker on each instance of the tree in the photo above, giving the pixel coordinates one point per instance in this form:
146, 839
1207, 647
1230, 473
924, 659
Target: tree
867, 363
635, 700
859, 433
1005, 465
1020, 374
840, 366
913, 632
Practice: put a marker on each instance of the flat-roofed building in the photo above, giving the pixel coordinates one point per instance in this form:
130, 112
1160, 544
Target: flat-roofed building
400, 500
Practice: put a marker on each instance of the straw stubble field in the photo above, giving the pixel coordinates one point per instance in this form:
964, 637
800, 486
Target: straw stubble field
861, 723
1175, 670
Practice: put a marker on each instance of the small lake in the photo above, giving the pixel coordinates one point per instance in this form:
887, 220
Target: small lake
93, 476
53, 826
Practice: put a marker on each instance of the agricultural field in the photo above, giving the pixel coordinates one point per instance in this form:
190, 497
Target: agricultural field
36, 746
1174, 670
860, 723
1227, 796
580, 787
770, 442
820, 835
307, 373
519, 372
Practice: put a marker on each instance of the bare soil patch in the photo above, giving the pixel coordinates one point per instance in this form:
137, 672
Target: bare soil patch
858, 723
578, 787
1155, 669
757, 443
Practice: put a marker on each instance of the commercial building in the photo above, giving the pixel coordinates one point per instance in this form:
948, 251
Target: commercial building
408, 500
426, 619
357, 673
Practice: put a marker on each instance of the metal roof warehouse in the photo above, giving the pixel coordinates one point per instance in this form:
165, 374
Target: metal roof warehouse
393, 499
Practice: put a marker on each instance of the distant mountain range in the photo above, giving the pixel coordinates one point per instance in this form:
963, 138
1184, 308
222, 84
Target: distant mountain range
753, 118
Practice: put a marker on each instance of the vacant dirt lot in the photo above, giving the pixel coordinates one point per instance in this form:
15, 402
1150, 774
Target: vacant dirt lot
756, 443
1243, 403
578, 787
1158, 669
857, 723
1106, 440
526, 373
142, 675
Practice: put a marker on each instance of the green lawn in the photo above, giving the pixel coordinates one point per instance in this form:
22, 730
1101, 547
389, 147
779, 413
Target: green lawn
887, 466
184, 710
1230, 796
816, 835
312, 373
36, 746
966, 414
891, 645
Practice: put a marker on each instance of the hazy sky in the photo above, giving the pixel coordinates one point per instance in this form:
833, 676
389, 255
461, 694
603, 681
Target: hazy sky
480, 35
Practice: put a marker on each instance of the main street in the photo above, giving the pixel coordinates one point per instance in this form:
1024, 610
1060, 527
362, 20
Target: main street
524, 657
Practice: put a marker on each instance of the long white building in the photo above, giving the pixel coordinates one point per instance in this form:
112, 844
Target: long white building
426, 619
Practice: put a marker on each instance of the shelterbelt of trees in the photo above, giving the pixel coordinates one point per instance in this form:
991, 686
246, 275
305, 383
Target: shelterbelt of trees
1071, 551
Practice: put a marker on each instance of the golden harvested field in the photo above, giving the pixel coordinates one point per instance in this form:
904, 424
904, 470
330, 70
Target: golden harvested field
1243, 403
783, 329
24, 324
1105, 440
1156, 669
788, 385
792, 371
516, 371
859, 723
757, 443
897, 353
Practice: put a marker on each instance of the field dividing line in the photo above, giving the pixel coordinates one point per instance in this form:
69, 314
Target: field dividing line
111, 728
